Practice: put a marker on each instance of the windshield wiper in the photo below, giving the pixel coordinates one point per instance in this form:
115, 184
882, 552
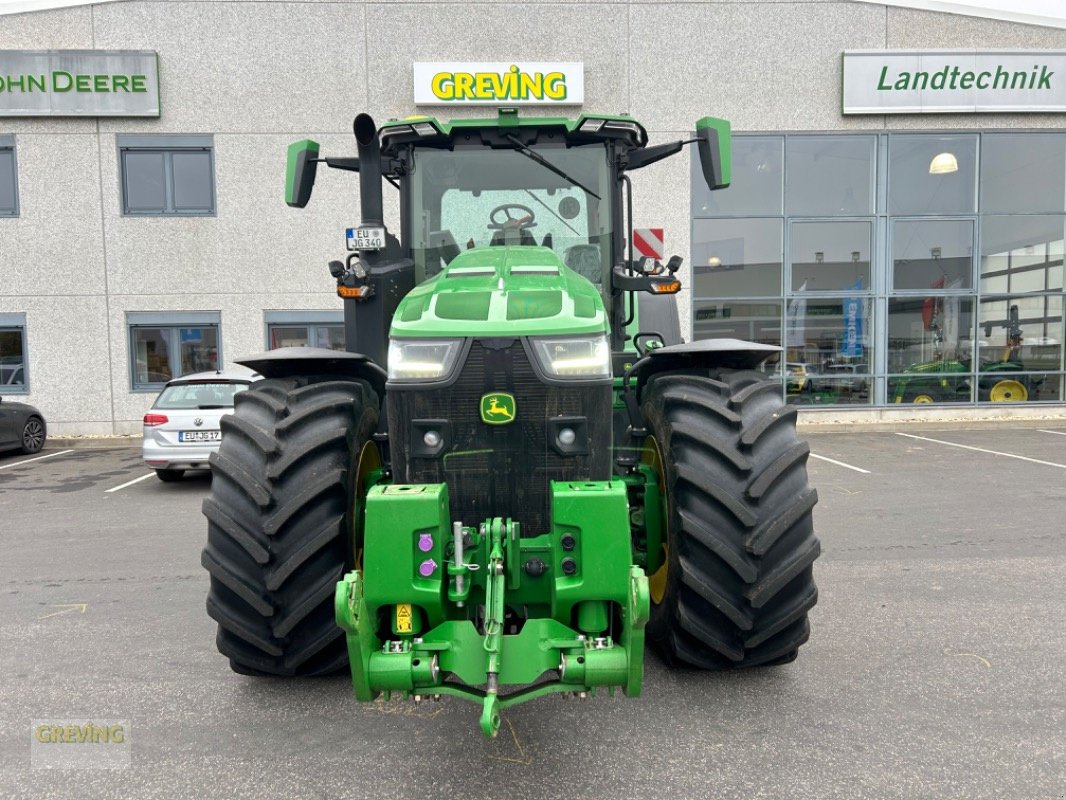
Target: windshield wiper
533, 154
207, 406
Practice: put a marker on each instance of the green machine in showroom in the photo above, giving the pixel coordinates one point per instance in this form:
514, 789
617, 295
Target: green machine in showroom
518, 472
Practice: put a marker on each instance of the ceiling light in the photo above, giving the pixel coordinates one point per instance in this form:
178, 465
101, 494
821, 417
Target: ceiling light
943, 163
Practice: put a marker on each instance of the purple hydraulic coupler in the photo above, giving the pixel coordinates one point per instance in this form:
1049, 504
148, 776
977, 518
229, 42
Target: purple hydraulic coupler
427, 568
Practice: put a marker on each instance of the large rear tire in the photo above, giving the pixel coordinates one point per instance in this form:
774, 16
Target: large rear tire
279, 522
738, 579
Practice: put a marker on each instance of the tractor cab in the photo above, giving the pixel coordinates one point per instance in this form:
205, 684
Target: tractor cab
548, 183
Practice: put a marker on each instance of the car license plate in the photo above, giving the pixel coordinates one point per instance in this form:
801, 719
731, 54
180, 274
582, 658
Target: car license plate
199, 436
366, 238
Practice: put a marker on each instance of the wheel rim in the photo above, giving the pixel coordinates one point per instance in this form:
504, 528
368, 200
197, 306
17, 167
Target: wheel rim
369, 460
924, 399
657, 580
1008, 392
33, 435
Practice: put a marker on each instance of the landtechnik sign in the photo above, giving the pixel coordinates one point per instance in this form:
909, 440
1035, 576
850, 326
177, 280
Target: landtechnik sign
954, 81
79, 83
490, 83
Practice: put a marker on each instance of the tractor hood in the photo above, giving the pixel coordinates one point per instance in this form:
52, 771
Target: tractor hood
502, 291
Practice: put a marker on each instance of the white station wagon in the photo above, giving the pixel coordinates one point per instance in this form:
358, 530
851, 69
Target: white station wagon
182, 428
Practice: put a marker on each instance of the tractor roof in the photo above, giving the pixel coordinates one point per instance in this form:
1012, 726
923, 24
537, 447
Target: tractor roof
587, 128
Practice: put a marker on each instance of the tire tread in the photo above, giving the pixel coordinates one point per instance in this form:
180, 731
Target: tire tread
278, 522
740, 520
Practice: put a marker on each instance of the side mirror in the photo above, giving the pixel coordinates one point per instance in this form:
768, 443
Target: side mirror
300, 172
714, 140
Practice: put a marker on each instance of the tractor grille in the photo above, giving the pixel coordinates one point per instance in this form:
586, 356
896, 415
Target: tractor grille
499, 470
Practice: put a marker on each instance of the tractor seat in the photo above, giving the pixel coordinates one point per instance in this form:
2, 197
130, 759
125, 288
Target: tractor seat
505, 236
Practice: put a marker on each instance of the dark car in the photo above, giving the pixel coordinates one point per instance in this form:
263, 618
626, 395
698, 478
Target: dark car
22, 427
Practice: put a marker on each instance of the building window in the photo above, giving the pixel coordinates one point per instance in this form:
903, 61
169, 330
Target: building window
9, 195
311, 328
169, 345
13, 360
737, 257
830, 176
167, 175
932, 174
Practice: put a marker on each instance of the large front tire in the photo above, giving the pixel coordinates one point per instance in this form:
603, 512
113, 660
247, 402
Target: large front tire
279, 522
738, 579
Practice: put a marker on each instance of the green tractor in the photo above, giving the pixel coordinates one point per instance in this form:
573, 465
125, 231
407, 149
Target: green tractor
945, 380
518, 471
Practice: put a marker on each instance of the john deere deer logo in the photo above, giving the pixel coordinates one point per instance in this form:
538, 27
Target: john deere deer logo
497, 408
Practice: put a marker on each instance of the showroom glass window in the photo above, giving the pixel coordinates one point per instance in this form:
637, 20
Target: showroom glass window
893, 268
167, 175
1020, 330
9, 194
932, 204
159, 353
14, 364
784, 256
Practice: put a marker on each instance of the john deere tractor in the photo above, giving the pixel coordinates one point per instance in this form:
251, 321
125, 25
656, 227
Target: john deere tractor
518, 471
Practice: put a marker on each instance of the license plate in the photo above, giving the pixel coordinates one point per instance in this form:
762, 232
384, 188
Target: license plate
365, 238
199, 436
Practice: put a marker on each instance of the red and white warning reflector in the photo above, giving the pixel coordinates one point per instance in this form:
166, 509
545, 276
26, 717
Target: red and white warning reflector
649, 242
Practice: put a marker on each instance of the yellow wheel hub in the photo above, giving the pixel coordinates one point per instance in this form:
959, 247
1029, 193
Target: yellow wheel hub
923, 399
1008, 392
658, 579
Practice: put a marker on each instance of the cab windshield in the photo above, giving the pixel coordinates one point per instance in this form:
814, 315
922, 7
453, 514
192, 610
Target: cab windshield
475, 197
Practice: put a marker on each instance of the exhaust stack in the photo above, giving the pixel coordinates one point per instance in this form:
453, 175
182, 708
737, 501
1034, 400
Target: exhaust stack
366, 137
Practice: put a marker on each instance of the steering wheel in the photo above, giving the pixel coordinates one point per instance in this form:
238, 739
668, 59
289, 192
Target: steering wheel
510, 221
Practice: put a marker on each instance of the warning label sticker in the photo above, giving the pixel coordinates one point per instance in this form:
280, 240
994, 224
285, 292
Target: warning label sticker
403, 618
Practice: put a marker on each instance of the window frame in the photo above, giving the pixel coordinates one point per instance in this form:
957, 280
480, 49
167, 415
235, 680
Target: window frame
167, 146
7, 143
172, 322
17, 322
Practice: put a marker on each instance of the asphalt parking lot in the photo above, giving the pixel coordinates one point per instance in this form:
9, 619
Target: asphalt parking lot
936, 665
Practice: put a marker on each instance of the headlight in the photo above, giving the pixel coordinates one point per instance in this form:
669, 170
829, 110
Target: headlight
413, 360
574, 357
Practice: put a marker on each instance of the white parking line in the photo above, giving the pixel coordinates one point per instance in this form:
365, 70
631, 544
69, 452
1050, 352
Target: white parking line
130, 483
38, 458
982, 450
1057, 433
840, 464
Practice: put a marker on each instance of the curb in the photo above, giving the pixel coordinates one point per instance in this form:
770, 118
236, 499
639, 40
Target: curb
93, 442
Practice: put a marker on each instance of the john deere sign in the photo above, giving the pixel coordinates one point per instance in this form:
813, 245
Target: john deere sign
484, 83
954, 81
79, 83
